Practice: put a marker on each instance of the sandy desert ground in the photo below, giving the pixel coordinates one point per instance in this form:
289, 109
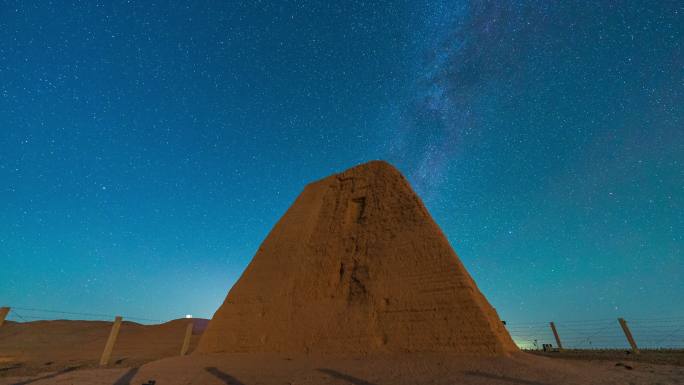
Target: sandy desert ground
395, 369
648, 356
66, 352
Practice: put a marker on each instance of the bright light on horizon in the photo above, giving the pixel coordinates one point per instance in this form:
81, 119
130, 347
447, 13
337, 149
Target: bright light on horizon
188, 316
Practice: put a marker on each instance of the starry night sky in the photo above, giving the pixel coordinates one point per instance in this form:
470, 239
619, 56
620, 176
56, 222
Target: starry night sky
147, 148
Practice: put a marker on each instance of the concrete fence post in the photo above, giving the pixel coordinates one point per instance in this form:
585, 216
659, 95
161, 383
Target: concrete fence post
3, 314
555, 334
104, 360
186, 339
628, 334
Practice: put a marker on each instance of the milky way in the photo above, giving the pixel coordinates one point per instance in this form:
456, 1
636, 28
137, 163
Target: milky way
470, 49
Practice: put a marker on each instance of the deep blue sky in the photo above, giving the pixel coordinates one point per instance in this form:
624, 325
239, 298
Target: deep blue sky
147, 148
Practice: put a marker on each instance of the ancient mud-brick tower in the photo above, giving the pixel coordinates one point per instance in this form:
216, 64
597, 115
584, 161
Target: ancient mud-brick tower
356, 265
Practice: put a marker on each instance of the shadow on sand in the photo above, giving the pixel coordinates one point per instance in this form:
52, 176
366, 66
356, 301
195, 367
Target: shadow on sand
511, 380
66, 370
345, 377
15, 366
127, 377
225, 377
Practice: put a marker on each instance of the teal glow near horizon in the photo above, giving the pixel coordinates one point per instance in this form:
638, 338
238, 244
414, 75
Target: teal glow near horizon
147, 149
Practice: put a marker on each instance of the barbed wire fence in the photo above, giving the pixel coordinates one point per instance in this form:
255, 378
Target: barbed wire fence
648, 333
26, 314
138, 340
606, 333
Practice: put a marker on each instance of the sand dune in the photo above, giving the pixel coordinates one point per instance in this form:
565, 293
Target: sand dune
32, 347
